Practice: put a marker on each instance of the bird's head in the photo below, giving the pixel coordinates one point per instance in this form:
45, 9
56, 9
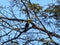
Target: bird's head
29, 20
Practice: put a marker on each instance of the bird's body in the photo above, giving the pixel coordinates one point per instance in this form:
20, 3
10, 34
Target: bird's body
26, 26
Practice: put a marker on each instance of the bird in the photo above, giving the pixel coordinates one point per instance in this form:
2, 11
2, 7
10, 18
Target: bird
26, 26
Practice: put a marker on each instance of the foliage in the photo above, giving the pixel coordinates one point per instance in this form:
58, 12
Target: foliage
55, 10
44, 24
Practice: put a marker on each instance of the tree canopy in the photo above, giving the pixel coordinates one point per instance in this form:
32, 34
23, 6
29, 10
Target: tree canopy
43, 28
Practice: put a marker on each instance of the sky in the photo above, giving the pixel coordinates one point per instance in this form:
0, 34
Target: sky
43, 3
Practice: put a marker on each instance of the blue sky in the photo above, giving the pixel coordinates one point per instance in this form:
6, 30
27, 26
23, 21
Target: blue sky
41, 2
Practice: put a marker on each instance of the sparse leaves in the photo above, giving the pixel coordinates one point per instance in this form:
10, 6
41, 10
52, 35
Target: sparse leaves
40, 27
35, 7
